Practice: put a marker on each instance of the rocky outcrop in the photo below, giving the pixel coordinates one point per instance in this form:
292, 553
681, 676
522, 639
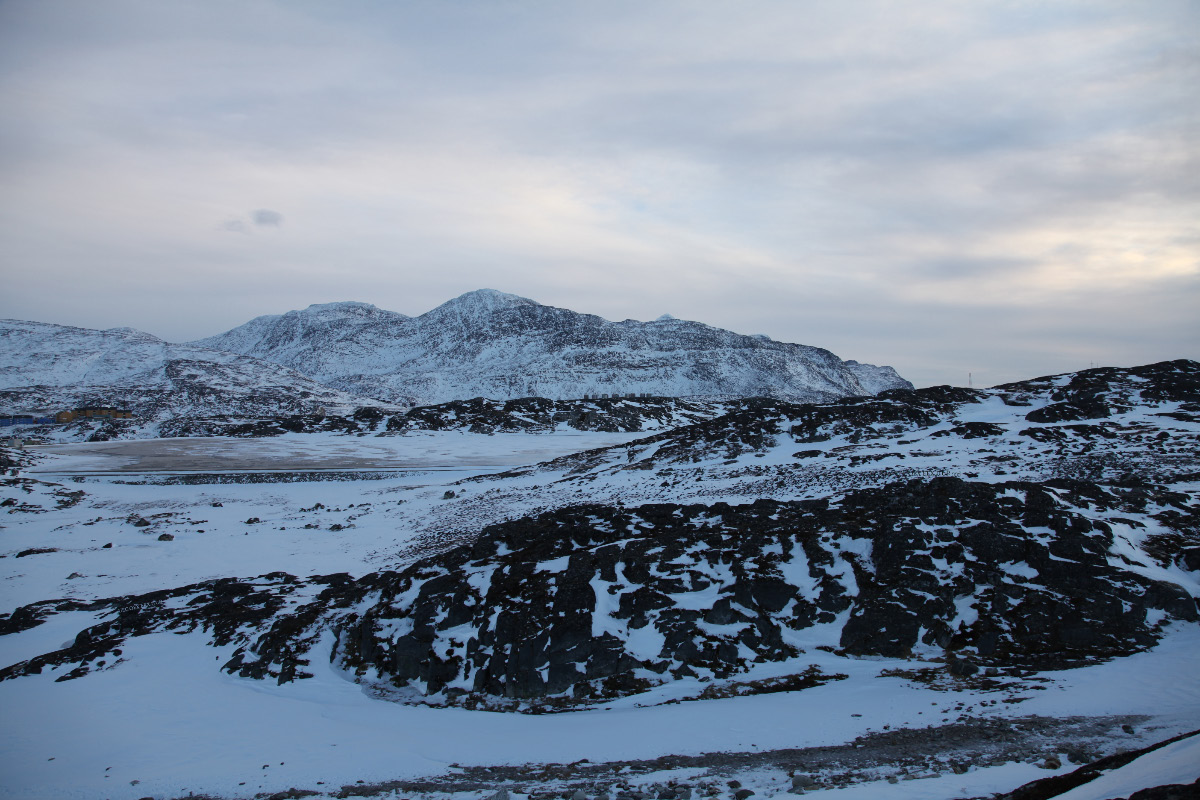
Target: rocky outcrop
479, 415
1049, 788
1104, 391
939, 430
594, 602
537, 414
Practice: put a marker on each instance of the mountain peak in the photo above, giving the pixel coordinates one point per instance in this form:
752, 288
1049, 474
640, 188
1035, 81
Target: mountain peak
483, 301
342, 306
132, 334
491, 297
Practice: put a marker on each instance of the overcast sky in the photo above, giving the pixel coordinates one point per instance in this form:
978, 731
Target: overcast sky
1007, 189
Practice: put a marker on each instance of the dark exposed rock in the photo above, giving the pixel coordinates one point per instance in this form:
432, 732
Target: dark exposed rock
977, 430
229, 609
523, 604
593, 602
35, 551
1051, 787
1176, 791
1104, 391
892, 411
1089, 408
30, 616
240, 427
961, 668
1189, 559
482, 415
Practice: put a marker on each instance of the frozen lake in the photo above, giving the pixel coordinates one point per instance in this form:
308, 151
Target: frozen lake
424, 450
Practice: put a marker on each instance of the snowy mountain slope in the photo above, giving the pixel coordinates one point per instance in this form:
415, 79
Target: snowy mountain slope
876, 379
983, 585
44, 366
487, 343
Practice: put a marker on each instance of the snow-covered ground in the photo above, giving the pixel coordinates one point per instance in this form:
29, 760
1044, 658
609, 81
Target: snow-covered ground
295, 529
92, 521
166, 722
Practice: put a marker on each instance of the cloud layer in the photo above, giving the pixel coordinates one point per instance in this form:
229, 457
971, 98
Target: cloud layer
1005, 189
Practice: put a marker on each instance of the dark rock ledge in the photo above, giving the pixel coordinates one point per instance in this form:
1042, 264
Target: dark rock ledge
588, 603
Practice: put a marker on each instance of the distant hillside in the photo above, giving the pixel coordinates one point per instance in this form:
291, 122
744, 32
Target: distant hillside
490, 344
44, 366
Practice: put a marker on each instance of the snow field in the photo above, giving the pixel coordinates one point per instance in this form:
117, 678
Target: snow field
166, 717
169, 719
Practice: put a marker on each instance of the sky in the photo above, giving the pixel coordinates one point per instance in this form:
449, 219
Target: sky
982, 191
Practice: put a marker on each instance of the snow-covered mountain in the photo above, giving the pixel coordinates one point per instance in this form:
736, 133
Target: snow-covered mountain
491, 344
54, 367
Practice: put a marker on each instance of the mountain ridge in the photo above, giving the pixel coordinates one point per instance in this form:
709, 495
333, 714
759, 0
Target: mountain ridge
48, 366
503, 346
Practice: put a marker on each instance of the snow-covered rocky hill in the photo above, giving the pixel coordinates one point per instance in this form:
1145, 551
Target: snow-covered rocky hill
490, 344
478, 415
56, 367
953, 590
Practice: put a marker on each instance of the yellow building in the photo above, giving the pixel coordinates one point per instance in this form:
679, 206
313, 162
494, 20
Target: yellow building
89, 412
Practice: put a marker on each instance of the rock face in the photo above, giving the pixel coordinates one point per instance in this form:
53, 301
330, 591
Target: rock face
491, 344
1120, 764
596, 602
45, 366
478, 415
481, 415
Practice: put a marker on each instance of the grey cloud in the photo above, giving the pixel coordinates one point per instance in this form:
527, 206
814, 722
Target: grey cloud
856, 151
966, 268
265, 216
